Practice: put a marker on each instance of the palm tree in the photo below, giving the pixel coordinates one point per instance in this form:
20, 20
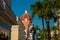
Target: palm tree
40, 35
55, 28
57, 7
37, 8
44, 31
35, 29
44, 9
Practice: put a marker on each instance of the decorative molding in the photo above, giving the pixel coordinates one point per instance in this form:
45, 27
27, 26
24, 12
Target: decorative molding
15, 26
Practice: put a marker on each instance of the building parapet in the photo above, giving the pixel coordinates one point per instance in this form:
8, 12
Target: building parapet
4, 7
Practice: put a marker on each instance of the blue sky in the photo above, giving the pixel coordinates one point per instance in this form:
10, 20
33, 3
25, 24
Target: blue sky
19, 6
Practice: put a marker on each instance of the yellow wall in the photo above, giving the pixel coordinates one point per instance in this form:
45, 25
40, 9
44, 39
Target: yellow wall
14, 32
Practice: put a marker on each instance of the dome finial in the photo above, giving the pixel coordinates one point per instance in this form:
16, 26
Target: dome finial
25, 11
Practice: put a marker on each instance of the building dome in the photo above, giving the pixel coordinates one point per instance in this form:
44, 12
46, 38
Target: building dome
26, 15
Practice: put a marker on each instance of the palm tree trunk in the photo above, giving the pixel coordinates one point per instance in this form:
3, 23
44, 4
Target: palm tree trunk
44, 37
43, 22
48, 29
43, 27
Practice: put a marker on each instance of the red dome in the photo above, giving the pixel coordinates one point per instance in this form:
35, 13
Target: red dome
26, 15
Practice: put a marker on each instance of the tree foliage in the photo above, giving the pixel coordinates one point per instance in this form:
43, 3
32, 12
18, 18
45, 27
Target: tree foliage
45, 9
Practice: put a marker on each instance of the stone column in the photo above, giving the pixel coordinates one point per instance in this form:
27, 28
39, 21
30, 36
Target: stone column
14, 32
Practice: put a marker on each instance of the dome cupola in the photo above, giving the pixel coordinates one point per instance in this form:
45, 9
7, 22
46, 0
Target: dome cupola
26, 16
